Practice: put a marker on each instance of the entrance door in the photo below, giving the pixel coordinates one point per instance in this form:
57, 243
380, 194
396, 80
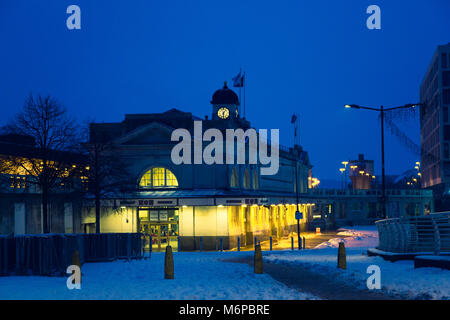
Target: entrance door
159, 228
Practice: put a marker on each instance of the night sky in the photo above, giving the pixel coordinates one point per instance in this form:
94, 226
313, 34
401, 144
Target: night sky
308, 57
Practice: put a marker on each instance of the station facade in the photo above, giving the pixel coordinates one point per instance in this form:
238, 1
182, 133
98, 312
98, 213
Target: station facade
205, 205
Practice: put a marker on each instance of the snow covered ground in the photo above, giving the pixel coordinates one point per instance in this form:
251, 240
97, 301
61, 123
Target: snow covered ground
362, 236
396, 277
202, 275
197, 276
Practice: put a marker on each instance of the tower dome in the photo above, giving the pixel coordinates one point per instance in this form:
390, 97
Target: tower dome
225, 96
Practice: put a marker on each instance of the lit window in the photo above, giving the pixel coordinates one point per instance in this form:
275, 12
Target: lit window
234, 180
246, 179
158, 178
255, 180
171, 180
18, 182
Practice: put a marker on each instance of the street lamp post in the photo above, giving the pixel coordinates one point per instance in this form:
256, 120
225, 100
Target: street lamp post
297, 213
382, 111
342, 170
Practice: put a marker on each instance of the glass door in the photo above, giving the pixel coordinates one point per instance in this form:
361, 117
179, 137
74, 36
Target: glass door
159, 228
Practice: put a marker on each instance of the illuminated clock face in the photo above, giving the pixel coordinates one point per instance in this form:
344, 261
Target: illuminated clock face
223, 113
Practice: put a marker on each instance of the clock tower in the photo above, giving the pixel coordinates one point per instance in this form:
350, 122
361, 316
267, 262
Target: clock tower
225, 104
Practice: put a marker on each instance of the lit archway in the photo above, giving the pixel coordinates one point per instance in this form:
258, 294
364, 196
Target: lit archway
158, 177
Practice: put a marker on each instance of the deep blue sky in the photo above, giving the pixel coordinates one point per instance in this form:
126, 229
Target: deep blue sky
308, 57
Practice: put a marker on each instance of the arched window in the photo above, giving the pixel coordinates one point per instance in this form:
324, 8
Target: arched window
255, 180
246, 179
234, 179
158, 178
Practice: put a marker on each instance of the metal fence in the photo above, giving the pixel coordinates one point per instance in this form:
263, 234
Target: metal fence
428, 234
51, 254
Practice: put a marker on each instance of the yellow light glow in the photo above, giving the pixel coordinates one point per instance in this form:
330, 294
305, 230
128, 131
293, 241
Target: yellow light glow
347, 106
344, 163
220, 206
243, 205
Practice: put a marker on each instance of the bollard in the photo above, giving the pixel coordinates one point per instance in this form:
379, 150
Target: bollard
76, 261
292, 243
342, 259
255, 243
221, 244
239, 244
258, 261
270, 243
304, 243
201, 243
178, 243
168, 264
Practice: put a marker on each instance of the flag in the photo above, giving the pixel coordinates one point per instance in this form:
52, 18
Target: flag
294, 118
238, 81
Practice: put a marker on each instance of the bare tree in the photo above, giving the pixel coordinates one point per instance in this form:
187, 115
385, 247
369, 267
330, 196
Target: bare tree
106, 174
48, 163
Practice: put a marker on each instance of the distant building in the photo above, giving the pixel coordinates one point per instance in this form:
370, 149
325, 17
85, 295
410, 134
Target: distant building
361, 173
20, 196
435, 127
339, 207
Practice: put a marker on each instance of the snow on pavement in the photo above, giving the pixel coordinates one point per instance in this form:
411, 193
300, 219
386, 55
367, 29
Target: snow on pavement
363, 236
396, 277
197, 276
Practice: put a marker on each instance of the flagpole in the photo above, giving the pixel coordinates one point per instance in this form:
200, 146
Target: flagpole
244, 92
240, 101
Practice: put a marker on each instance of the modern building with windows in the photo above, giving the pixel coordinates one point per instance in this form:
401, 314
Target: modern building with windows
21, 196
206, 205
435, 127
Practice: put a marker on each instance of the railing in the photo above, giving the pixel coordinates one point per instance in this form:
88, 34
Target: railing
51, 254
428, 234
